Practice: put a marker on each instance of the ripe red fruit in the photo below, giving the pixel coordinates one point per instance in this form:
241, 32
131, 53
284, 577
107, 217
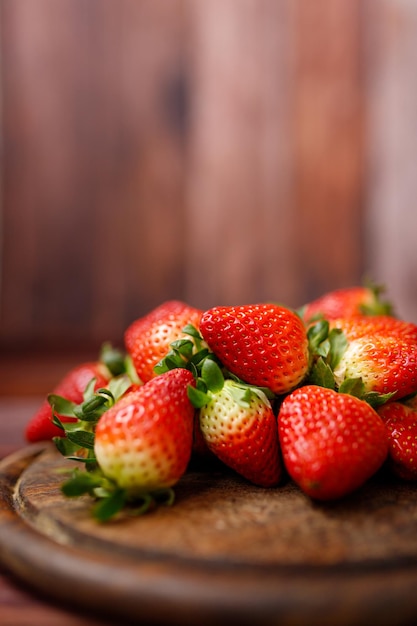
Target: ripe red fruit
144, 441
240, 428
263, 344
148, 339
71, 387
348, 302
331, 442
385, 363
400, 420
362, 326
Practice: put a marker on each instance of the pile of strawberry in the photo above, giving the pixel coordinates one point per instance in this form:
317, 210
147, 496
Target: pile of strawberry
325, 395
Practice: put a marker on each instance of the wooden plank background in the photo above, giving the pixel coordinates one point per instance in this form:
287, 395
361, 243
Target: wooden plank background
218, 152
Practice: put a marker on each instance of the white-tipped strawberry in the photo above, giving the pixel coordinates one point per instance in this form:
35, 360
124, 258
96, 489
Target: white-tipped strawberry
144, 441
142, 446
240, 428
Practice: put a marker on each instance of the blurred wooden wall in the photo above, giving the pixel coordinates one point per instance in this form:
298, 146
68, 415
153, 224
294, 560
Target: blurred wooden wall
217, 152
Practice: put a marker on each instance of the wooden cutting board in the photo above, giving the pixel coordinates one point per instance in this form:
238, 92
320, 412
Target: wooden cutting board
225, 551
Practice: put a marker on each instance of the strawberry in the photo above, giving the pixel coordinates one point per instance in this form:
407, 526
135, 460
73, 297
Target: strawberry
400, 419
263, 344
347, 302
331, 442
72, 388
240, 428
148, 338
143, 443
362, 326
386, 364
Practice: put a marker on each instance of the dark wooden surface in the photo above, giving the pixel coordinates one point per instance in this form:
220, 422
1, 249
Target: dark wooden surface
225, 550
368, 542
19, 604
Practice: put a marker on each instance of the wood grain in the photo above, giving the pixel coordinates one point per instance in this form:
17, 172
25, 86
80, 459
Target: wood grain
92, 181
225, 550
220, 152
390, 54
329, 143
241, 165
206, 151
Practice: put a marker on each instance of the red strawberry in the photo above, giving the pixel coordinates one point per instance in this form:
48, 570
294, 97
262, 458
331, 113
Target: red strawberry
144, 441
385, 363
331, 442
348, 302
240, 428
71, 387
362, 326
148, 339
400, 420
263, 344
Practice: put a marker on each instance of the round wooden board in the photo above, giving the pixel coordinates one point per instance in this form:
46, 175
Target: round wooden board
225, 551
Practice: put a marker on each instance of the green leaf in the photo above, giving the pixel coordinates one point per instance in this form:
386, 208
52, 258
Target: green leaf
161, 367
201, 385
263, 393
376, 399
80, 483
171, 361
241, 394
199, 356
57, 422
191, 330
353, 387
108, 507
184, 347
338, 345
378, 306
82, 438
212, 375
91, 409
89, 390
61, 405
113, 359
197, 397
65, 446
119, 385
74, 426
89, 461
193, 369
321, 374
316, 334
323, 348
105, 392
131, 371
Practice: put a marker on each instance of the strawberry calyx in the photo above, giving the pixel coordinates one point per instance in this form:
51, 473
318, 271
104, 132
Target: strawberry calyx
118, 362
211, 381
327, 347
111, 499
377, 305
186, 352
356, 387
77, 441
